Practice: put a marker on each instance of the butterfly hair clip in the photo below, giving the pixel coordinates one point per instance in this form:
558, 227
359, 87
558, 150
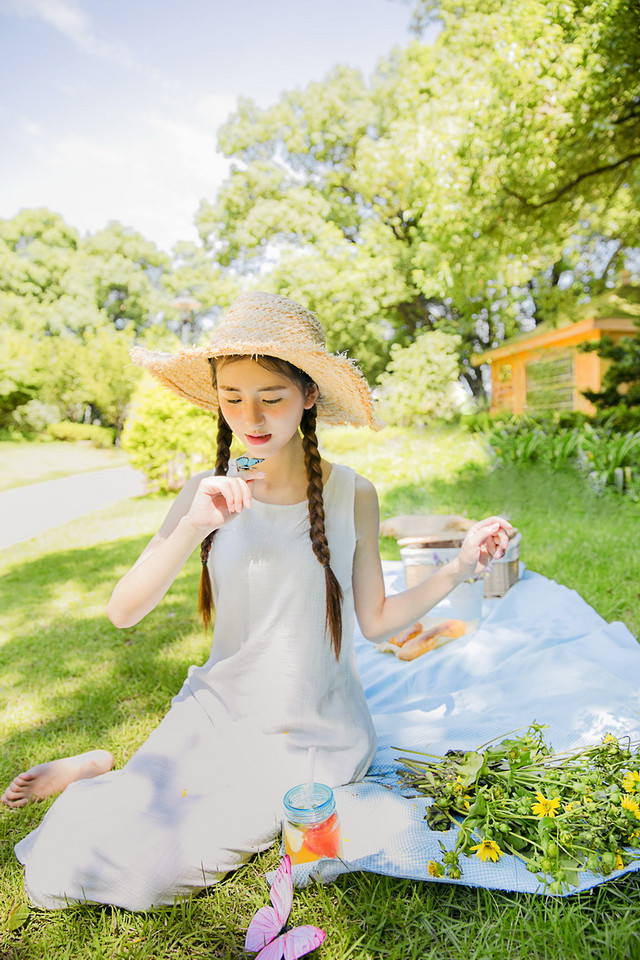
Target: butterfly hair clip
247, 463
268, 931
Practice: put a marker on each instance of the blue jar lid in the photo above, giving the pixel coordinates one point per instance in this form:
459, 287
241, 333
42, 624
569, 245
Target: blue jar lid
302, 806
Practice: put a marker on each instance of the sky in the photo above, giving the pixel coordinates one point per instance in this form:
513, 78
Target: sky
109, 108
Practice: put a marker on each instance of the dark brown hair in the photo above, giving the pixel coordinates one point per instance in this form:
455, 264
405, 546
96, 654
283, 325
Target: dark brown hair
315, 483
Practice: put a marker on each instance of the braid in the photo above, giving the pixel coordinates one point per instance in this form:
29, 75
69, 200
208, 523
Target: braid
205, 596
317, 532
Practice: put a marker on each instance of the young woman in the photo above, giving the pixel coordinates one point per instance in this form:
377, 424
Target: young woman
292, 547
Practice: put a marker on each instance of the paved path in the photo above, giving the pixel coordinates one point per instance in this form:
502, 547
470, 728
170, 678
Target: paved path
27, 511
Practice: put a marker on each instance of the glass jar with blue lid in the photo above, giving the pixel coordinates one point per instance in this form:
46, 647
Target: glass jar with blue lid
311, 826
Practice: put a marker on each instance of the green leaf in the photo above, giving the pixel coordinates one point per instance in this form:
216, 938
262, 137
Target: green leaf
17, 916
545, 826
470, 767
570, 866
479, 807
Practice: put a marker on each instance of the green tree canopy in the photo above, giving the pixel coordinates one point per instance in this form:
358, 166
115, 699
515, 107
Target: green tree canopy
70, 308
452, 191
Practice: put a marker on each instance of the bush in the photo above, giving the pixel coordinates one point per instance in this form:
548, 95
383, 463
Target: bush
168, 438
421, 381
101, 437
484, 421
621, 419
34, 417
609, 459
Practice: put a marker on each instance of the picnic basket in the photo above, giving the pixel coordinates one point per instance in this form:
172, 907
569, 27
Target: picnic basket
421, 556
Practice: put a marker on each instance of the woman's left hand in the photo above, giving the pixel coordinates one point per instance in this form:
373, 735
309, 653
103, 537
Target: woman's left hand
484, 541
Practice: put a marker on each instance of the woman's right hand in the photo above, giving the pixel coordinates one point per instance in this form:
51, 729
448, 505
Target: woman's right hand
218, 499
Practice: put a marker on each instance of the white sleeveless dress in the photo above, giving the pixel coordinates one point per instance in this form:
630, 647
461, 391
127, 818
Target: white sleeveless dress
204, 792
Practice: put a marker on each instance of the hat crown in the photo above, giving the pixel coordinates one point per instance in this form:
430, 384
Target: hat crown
269, 317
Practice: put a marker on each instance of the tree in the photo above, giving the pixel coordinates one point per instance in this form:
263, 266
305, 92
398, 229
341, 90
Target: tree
125, 270
70, 308
195, 274
290, 198
36, 253
18, 381
477, 171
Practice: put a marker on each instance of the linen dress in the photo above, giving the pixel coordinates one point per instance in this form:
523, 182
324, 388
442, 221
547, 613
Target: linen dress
204, 792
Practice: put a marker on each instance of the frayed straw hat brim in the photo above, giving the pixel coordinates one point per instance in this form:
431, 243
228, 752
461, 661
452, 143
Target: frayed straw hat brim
293, 334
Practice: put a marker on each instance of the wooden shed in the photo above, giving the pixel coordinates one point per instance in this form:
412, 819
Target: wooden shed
544, 370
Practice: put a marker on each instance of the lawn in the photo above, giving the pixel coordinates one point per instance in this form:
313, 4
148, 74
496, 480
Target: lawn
24, 463
71, 681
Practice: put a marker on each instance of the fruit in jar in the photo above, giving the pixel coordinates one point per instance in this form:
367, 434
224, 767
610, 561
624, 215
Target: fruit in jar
293, 838
324, 839
305, 843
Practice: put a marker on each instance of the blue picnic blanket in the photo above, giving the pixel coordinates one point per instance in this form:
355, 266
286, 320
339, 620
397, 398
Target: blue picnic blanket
538, 654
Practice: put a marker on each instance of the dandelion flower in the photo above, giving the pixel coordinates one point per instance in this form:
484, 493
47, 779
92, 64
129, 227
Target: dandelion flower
631, 805
435, 869
488, 850
609, 738
631, 781
619, 860
545, 808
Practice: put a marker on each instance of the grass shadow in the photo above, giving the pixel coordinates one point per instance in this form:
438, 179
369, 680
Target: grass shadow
71, 680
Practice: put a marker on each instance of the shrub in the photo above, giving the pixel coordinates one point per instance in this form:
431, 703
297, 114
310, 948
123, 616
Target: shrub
421, 380
608, 459
621, 419
101, 437
168, 438
484, 421
34, 417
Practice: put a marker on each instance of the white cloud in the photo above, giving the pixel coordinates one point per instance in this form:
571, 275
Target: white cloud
69, 19
31, 128
151, 177
66, 17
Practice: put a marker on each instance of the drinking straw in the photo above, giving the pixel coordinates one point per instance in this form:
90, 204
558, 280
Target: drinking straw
310, 773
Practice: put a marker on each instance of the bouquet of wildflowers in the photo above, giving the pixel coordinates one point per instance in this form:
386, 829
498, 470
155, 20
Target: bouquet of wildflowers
560, 813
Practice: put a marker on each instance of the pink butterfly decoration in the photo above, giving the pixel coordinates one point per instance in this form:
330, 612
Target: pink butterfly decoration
268, 930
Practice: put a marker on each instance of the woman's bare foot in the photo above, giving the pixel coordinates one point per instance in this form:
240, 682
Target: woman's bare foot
47, 779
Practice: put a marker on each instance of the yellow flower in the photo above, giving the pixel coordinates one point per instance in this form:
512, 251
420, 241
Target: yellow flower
619, 860
544, 807
435, 869
609, 738
631, 781
631, 805
488, 850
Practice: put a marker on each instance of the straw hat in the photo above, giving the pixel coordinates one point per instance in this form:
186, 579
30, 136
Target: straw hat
264, 324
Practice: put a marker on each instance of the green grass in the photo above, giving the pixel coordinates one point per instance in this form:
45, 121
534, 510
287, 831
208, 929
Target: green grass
569, 533
24, 463
70, 681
